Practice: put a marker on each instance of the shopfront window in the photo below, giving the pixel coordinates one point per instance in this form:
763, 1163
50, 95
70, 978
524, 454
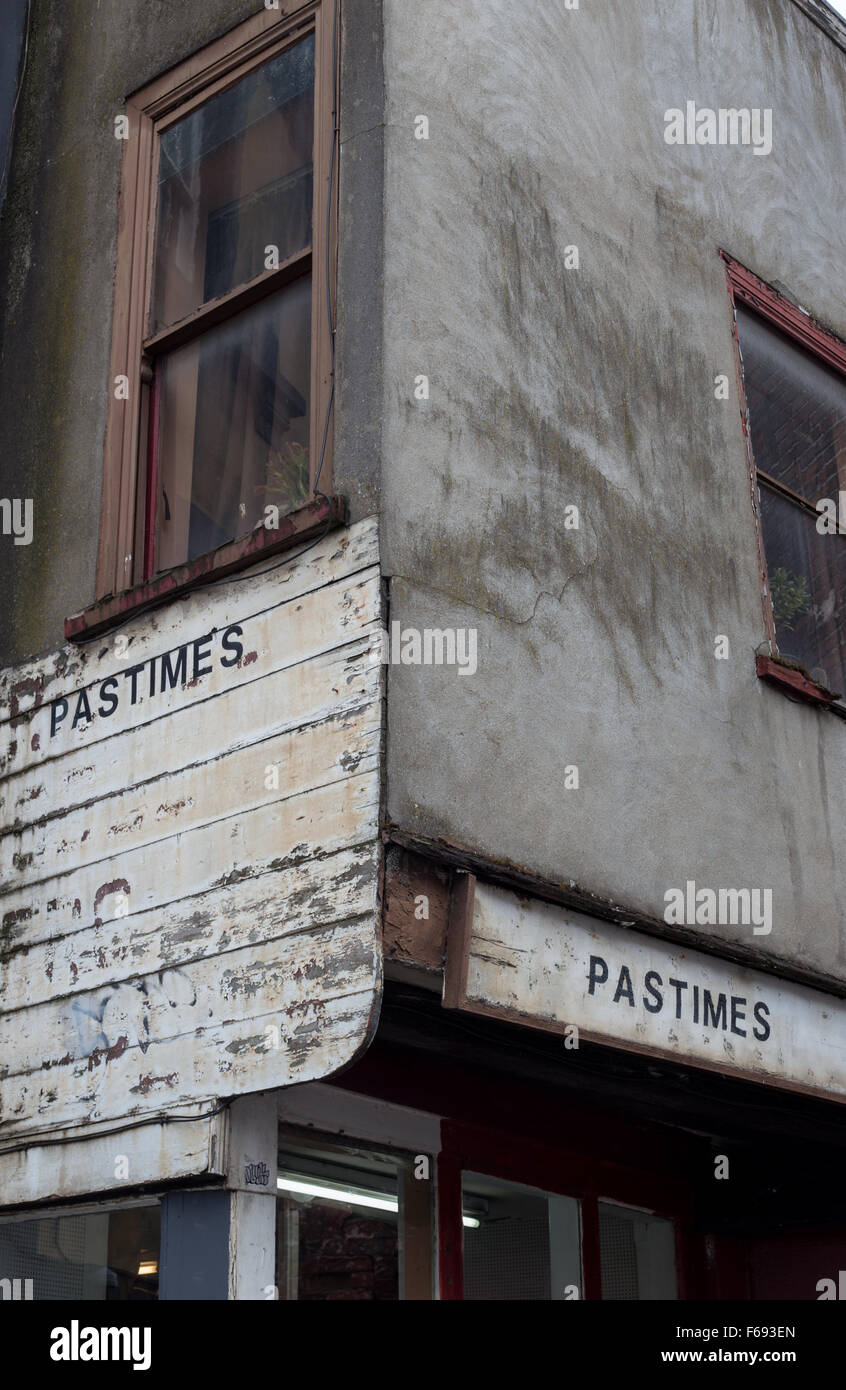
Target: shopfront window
353, 1224
519, 1242
556, 1236
89, 1256
636, 1254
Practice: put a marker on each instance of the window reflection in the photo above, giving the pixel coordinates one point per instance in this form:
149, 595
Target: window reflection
90, 1256
353, 1225
235, 177
233, 435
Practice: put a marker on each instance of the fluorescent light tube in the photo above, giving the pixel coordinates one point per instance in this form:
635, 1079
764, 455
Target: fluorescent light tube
338, 1194
354, 1198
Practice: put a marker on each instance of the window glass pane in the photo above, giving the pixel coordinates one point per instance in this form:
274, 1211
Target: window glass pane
233, 432
637, 1254
519, 1242
103, 1255
235, 177
797, 412
807, 575
350, 1226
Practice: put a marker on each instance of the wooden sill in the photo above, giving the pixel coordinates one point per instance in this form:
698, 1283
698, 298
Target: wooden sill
323, 513
794, 681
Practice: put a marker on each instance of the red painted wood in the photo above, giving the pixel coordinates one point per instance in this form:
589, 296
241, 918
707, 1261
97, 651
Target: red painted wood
523, 1117
450, 1230
526, 1134
793, 681
766, 301
305, 523
790, 1266
725, 1269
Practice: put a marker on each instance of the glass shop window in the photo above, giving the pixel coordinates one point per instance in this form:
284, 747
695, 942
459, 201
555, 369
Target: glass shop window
797, 420
353, 1224
637, 1254
90, 1256
519, 1242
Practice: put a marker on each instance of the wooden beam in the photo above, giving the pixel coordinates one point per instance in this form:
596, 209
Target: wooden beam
458, 940
416, 911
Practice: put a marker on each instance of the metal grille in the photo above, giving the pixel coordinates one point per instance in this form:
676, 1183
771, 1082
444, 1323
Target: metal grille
618, 1257
507, 1259
50, 1252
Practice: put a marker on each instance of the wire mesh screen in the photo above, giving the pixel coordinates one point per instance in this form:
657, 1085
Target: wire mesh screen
507, 1259
51, 1252
618, 1257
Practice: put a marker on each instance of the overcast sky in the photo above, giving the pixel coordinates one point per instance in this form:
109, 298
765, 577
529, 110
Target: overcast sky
839, 6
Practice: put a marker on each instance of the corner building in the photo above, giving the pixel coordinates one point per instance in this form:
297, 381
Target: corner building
423, 645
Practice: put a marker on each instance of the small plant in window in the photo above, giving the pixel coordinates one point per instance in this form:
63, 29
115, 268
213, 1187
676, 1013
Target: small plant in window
287, 476
791, 597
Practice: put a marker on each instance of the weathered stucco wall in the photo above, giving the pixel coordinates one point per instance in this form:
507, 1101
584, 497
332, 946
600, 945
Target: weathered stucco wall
57, 249
595, 386
549, 387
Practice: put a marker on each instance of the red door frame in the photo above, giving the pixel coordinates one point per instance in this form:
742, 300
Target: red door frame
558, 1169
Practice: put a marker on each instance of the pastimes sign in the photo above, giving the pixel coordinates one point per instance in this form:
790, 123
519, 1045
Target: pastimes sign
189, 851
553, 968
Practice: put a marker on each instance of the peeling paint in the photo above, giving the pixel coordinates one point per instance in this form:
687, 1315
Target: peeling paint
174, 919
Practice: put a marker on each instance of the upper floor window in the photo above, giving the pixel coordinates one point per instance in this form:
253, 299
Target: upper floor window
794, 377
222, 330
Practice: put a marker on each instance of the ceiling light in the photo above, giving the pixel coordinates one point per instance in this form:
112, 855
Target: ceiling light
352, 1196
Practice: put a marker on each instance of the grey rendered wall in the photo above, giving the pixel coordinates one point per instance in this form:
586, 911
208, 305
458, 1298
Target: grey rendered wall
596, 387
57, 247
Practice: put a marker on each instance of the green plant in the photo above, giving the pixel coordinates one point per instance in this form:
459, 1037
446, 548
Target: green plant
287, 476
790, 595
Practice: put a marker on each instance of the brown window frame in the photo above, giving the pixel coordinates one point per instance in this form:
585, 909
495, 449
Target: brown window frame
748, 290
123, 561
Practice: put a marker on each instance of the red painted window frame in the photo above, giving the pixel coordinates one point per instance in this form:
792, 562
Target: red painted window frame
747, 289
559, 1170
